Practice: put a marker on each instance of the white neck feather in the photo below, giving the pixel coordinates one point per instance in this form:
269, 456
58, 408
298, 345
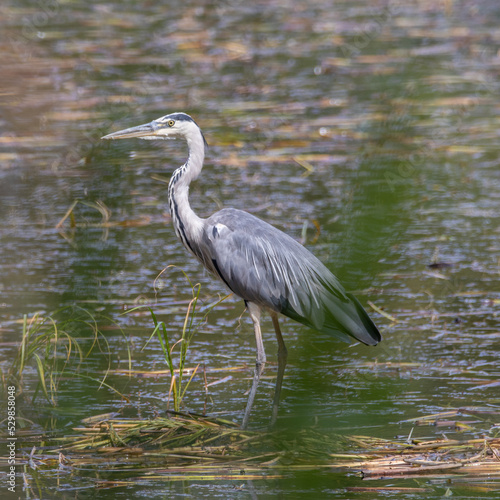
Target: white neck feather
188, 226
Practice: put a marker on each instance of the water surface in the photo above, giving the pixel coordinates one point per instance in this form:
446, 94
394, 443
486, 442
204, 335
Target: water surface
368, 131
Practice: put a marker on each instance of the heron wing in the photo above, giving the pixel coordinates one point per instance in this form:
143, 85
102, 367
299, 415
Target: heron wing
263, 265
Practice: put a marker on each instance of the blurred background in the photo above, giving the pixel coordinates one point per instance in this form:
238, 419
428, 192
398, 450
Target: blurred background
367, 130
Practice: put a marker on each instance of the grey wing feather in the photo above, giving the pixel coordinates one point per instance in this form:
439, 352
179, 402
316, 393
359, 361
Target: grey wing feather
266, 266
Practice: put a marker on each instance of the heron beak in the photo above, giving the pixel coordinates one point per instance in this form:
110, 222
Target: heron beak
146, 131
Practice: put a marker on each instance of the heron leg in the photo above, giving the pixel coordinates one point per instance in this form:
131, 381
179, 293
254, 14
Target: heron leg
282, 357
282, 351
254, 311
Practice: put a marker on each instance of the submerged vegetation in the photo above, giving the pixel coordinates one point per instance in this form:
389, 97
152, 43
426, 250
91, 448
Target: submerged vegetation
378, 458
180, 446
195, 435
56, 346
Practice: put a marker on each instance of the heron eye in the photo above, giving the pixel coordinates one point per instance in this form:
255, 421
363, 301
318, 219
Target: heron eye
171, 123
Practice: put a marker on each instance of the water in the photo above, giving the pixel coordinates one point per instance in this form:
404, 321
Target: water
367, 131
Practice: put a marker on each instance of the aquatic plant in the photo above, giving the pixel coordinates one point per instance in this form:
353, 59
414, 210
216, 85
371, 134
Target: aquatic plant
56, 345
190, 326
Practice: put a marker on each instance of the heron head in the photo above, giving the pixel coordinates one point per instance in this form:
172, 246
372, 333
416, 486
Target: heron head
166, 127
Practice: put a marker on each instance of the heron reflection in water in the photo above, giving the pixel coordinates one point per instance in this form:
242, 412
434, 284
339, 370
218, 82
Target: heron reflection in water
267, 268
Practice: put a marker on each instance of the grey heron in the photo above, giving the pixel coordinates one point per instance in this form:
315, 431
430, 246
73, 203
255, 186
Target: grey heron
267, 268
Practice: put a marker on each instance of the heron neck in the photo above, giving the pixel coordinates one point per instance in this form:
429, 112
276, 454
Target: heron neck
188, 226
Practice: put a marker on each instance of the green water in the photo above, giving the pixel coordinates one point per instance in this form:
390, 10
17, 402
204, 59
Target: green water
393, 109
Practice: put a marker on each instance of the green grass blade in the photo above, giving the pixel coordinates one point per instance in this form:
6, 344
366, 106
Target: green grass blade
41, 376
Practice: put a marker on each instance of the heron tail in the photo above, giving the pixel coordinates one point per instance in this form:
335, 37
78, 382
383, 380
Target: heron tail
370, 334
342, 317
